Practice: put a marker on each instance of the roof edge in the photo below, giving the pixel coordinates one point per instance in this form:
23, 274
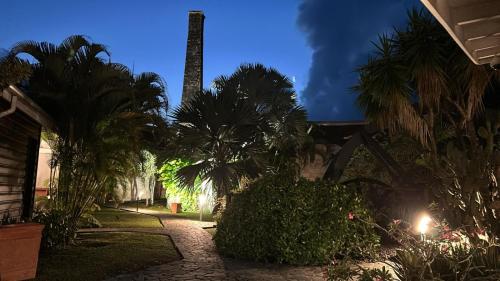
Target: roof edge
28, 107
340, 123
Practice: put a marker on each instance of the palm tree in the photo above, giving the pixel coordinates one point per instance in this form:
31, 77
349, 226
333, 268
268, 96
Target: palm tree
420, 83
240, 128
102, 113
12, 69
274, 97
417, 78
220, 132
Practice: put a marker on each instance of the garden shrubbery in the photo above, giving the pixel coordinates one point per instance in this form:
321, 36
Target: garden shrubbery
444, 255
278, 219
59, 229
173, 189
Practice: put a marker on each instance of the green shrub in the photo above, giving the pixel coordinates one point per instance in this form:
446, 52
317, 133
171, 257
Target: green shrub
58, 230
89, 221
280, 220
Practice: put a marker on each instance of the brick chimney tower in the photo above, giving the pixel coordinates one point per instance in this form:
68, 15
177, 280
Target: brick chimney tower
193, 71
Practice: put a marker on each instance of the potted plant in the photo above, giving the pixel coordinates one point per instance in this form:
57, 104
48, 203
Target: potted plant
19, 244
175, 208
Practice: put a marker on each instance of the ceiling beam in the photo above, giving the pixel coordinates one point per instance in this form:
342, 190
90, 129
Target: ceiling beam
473, 24
484, 42
488, 52
480, 29
477, 12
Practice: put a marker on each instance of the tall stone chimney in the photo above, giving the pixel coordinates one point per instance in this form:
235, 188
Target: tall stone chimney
193, 71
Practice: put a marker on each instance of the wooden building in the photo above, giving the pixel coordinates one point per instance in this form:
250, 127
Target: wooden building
21, 122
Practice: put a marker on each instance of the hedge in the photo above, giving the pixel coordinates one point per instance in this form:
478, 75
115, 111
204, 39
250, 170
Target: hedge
278, 219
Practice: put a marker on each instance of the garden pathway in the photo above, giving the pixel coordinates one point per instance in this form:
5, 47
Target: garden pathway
201, 261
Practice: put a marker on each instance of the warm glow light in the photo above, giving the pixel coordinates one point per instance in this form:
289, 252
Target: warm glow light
202, 199
423, 224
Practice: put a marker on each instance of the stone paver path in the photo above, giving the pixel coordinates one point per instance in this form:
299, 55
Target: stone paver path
201, 261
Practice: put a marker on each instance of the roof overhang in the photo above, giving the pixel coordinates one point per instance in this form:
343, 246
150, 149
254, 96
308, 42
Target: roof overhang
28, 107
335, 132
473, 24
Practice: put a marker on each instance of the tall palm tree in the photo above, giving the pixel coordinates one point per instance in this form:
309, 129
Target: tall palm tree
240, 129
274, 97
421, 83
220, 132
101, 110
12, 69
417, 77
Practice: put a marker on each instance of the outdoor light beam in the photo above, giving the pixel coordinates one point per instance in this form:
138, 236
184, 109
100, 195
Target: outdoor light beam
423, 225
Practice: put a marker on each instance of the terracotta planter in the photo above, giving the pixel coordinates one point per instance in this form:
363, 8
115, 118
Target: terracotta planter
19, 244
41, 191
175, 208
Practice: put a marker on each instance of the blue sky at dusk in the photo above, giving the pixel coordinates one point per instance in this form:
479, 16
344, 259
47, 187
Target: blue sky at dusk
318, 43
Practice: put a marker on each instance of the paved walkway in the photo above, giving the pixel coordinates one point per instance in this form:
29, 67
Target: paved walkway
201, 261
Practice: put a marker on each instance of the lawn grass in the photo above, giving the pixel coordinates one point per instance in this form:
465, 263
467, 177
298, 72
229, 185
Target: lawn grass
102, 255
160, 206
110, 217
207, 216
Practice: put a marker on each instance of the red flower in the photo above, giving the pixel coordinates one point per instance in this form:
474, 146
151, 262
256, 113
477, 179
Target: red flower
445, 248
350, 216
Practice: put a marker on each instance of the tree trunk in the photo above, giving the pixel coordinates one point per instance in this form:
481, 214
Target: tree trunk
219, 205
151, 187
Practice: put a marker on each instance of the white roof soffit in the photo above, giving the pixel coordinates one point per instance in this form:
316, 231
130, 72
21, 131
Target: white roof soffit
473, 24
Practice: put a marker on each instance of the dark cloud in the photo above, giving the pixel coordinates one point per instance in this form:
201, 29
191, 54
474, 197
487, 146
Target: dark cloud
340, 34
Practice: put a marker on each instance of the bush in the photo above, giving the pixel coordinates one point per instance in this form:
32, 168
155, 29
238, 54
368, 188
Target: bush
58, 230
89, 221
280, 220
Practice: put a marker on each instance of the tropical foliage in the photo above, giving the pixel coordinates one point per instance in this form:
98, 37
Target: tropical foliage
278, 219
420, 84
249, 124
174, 190
383, 193
104, 116
12, 70
444, 255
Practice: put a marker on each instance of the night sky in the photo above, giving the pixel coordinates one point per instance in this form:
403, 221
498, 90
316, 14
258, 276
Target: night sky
317, 43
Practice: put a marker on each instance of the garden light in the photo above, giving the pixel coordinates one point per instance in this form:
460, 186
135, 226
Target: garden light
423, 224
202, 199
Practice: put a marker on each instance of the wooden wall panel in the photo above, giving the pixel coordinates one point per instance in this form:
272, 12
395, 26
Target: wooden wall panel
17, 132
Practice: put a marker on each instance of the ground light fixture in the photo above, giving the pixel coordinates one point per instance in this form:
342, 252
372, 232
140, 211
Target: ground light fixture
423, 225
202, 198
